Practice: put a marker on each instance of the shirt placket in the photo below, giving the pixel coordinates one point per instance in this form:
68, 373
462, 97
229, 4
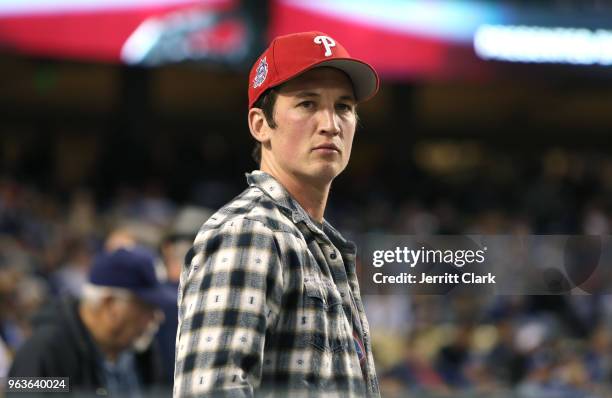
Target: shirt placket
333, 264
336, 266
335, 260
349, 258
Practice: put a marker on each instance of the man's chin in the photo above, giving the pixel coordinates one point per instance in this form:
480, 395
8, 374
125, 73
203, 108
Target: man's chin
324, 173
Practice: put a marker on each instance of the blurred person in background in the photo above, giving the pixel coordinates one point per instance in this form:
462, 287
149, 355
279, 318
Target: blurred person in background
453, 358
10, 334
538, 382
21, 293
69, 278
173, 249
597, 355
503, 360
415, 372
92, 341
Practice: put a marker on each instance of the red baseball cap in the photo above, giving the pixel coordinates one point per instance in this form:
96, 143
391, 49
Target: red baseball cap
290, 55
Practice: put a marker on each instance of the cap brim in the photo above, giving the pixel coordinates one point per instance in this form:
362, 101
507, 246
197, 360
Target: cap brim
364, 78
163, 296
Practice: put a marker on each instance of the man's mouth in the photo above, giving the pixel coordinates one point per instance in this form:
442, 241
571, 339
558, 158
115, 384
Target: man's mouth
331, 148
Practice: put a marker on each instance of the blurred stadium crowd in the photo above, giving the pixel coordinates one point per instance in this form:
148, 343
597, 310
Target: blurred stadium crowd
438, 346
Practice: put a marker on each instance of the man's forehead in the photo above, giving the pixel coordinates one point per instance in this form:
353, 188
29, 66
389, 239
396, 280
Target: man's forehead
315, 80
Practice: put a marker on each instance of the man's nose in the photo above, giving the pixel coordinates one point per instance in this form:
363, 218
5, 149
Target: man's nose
329, 122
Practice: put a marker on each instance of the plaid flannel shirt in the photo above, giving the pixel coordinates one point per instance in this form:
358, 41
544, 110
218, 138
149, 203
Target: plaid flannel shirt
268, 303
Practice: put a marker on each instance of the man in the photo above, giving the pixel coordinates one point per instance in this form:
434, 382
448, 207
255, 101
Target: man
269, 301
92, 341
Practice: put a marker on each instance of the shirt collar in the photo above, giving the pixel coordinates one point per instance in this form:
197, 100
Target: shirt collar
271, 187
275, 190
338, 240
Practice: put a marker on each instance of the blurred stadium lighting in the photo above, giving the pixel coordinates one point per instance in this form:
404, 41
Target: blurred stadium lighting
534, 44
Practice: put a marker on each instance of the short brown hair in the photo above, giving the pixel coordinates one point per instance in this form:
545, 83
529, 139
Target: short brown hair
266, 103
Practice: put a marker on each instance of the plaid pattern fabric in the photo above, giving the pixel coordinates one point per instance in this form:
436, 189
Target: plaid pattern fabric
268, 304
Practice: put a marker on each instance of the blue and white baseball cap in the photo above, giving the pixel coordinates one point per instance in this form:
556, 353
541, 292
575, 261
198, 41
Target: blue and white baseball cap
132, 269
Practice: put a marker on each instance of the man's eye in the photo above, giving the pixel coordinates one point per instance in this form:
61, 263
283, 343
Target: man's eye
344, 107
306, 104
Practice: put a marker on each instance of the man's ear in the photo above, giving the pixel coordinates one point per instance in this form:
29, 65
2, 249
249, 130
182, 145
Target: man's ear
258, 125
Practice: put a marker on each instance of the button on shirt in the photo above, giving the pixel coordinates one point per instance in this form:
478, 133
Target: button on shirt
269, 304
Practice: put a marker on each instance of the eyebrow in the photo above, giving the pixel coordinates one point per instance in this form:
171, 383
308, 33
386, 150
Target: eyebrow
307, 94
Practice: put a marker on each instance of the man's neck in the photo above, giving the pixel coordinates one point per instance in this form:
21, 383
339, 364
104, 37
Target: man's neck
311, 196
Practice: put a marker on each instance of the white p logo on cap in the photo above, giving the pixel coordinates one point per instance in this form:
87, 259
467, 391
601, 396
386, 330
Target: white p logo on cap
327, 42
